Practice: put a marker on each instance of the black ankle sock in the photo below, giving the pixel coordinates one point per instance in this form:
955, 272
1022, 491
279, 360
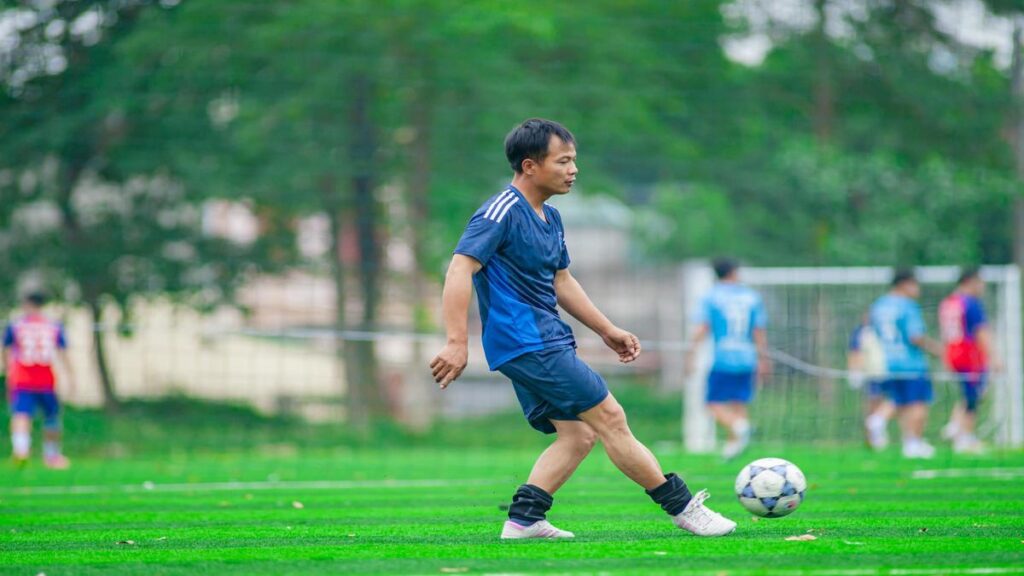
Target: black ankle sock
672, 496
530, 504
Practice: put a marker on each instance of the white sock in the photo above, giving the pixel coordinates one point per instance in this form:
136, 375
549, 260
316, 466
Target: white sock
22, 443
51, 449
875, 422
741, 428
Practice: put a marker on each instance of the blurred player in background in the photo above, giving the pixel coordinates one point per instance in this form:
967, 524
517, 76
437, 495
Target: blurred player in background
733, 314
865, 361
896, 319
968, 340
33, 344
513, 250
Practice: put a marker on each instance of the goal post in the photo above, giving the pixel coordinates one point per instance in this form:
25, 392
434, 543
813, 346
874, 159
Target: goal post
811, 312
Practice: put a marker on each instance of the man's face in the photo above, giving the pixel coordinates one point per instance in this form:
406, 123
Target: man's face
912, 289
976, 287
557, 172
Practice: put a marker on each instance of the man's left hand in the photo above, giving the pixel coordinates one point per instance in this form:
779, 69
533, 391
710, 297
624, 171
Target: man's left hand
625, 344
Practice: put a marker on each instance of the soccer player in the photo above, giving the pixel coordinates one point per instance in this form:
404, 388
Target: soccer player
968, 340
513, 251
32, 344
734, 315
896, 319
865, 361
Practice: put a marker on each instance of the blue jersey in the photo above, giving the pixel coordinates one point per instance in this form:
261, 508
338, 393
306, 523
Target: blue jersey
520, 254
732, 312
897, 320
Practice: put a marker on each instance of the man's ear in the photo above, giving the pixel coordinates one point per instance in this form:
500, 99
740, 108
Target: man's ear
529, 166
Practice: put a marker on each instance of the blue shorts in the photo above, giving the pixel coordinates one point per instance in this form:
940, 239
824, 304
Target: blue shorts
25, 402
973, 386
875, 388
730, 387
903, 391
554, 384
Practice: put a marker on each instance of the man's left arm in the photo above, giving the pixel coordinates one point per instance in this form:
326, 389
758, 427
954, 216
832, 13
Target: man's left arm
575, 301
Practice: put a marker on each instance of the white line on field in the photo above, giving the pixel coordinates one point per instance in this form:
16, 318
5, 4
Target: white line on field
998, 473
913, 571
232, 486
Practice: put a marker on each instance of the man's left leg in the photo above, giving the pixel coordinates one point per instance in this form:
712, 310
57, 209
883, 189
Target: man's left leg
52, 434
967, 441
740, 430
913, 417
634, 460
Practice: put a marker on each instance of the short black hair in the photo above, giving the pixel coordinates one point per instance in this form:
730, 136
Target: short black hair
901, 275
967, 274
530, 140
724, 266
36, 298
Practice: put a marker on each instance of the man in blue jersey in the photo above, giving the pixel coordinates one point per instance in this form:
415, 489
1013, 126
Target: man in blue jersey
897, 320
733, 314
513, 251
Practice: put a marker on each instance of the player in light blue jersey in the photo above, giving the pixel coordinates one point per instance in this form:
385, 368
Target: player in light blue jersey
896, 319
513, 251
734, 316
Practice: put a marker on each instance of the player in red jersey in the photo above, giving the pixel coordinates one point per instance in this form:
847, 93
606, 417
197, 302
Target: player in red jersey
33, 343
968, 342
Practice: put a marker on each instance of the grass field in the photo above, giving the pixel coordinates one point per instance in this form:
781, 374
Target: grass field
439, 511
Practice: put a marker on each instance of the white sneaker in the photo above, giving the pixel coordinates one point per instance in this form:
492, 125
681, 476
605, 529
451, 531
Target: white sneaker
951, 430
539, 529
732, 449
968, 444
918, 449
878, 435
700, 520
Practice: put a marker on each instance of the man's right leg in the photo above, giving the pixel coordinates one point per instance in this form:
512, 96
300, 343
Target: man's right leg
608, 419
527, 514
557, 463
21, 437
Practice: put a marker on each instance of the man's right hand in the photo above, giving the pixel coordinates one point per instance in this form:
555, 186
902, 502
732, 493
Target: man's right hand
449, 363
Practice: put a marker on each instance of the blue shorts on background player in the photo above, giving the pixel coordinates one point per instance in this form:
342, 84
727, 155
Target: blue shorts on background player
734, 316
513, 252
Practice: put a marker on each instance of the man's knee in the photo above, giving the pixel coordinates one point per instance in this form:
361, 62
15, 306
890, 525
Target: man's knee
607, 417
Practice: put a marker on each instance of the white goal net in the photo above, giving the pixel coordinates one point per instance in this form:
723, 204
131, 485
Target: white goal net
811, 313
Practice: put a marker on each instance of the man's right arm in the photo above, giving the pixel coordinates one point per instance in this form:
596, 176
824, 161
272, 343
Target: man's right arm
458, 290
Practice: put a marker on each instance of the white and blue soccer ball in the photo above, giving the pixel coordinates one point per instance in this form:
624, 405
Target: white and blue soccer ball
771, 487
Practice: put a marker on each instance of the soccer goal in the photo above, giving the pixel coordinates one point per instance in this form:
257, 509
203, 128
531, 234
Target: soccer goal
811, 313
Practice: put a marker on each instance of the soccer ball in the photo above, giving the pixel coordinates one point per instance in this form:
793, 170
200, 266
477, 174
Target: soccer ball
770, 487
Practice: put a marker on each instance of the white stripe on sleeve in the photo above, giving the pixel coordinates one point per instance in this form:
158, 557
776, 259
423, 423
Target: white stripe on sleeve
501, 197
505, 211
501, 204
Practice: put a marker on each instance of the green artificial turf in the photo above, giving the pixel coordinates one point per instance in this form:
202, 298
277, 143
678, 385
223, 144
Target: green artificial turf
441, 513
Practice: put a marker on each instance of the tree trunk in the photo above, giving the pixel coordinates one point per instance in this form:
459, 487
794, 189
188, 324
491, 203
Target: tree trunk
824, 93
362, 354
356, 403
111, 403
